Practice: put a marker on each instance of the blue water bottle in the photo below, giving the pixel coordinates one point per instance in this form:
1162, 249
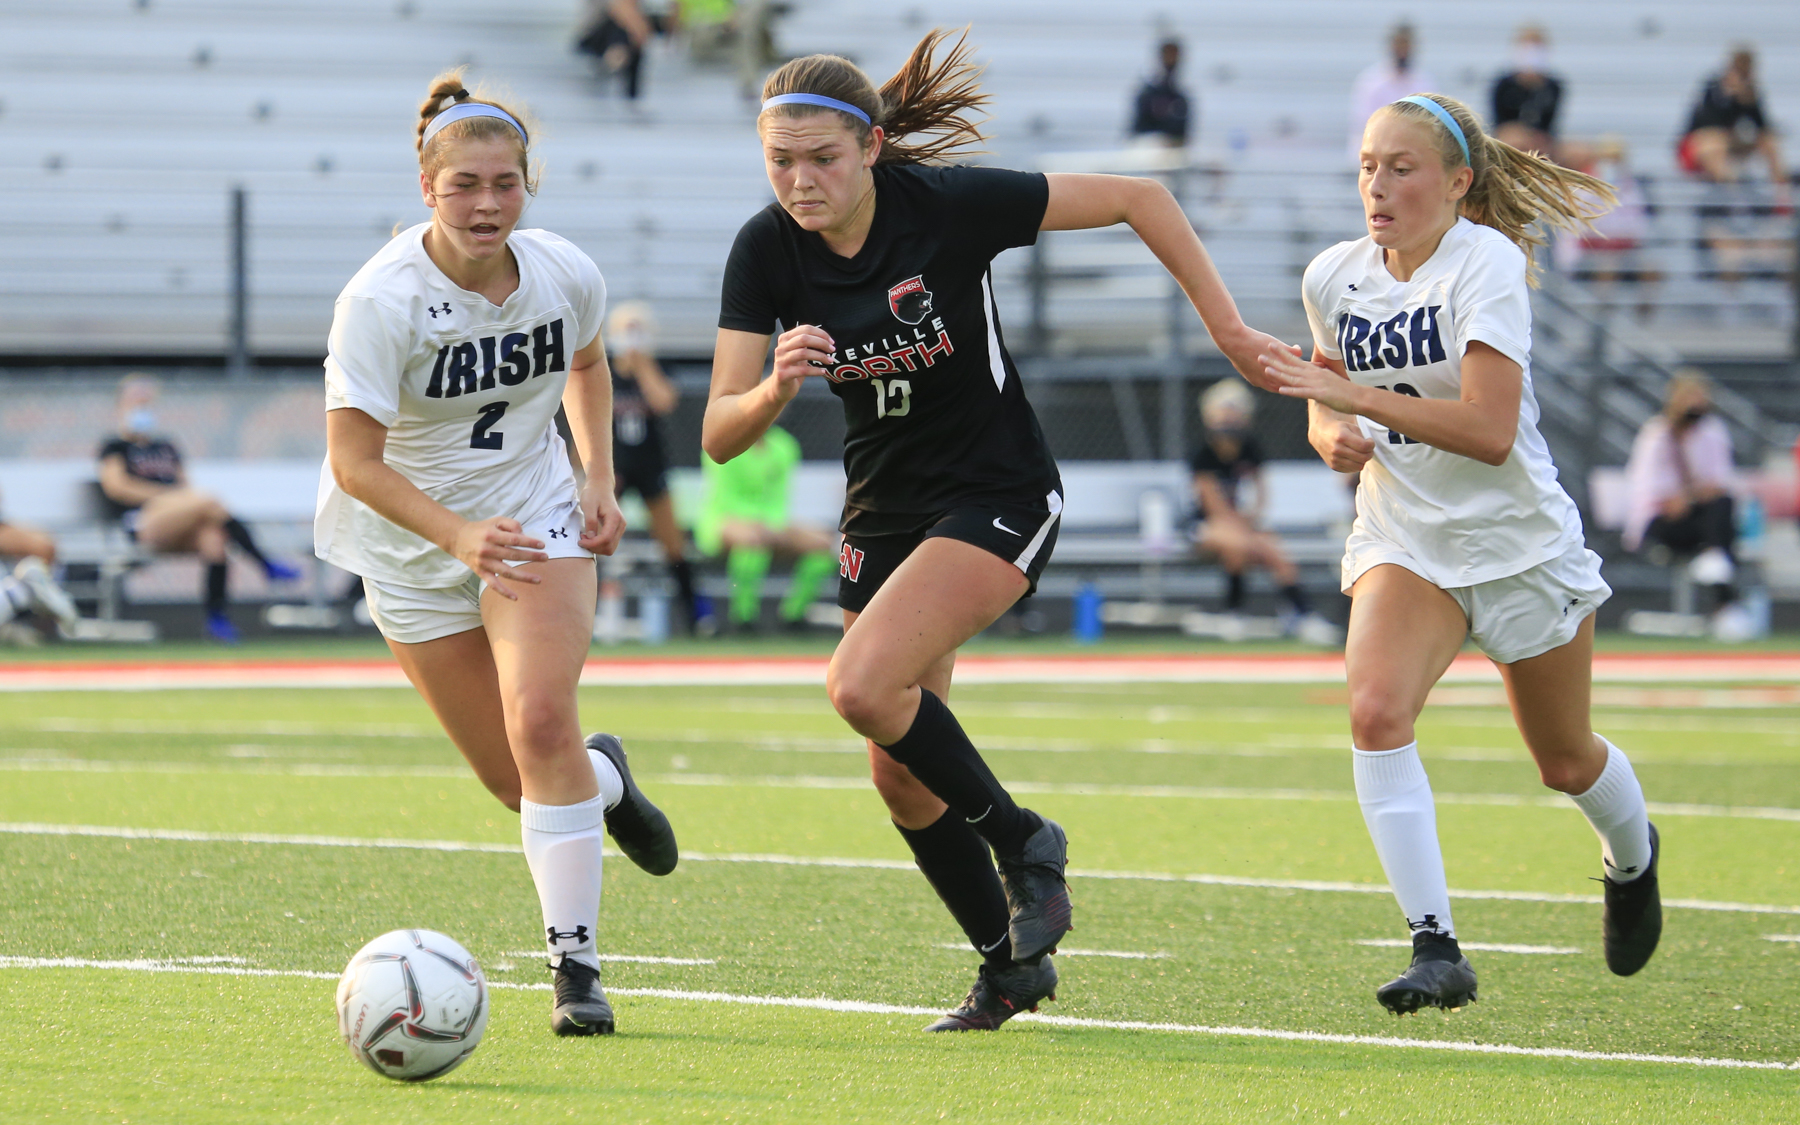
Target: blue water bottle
1087, 614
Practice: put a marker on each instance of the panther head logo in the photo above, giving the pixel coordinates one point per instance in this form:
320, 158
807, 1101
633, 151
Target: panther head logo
910, 300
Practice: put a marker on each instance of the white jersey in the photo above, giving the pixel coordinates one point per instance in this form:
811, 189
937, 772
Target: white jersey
468, 392
1463, 522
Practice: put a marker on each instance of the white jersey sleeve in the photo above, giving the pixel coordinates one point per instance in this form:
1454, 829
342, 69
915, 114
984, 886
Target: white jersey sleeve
1313, 295
365, 357
1492, 301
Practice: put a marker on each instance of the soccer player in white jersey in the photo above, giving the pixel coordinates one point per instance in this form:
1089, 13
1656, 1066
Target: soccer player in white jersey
1421, 379
449, 490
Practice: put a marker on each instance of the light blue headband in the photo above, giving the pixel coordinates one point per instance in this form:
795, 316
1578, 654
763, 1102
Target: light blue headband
467, 110
1443, 115
820, 100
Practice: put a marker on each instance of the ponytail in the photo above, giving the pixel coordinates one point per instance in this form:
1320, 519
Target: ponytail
929, 99
447, 90
1511, 190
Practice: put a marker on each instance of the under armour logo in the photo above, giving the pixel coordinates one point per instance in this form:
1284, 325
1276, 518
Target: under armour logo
559, 533
435, 310
1429, 922
1573, 602
578, 935
1352, 287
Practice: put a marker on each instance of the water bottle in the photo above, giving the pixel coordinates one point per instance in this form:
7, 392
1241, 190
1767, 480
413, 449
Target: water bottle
1752, 525
1087, 614
653, 617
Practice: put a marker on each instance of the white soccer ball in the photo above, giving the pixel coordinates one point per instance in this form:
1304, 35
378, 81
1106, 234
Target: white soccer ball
412, 1005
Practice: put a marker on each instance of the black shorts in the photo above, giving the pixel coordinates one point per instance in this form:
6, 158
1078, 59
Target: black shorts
1022, 532
647, 476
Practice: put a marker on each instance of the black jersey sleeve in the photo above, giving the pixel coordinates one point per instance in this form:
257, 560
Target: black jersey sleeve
996, 207
748, 301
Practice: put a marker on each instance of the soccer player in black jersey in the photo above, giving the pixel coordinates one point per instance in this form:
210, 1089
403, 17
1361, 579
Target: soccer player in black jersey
875, 259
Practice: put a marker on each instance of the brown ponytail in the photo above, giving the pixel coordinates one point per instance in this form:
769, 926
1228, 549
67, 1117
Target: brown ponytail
1512, 190
928, 98
447, 90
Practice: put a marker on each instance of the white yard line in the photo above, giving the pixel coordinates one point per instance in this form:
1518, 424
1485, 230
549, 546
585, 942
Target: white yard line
862, 1007
1781, 937
622, 958
1477, 946
190, 836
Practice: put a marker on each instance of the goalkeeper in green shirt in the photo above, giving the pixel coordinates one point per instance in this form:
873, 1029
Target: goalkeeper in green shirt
745, 517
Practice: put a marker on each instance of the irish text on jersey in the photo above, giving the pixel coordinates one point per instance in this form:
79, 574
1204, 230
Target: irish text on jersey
910, 300
911, 350
475, 365
1410, 337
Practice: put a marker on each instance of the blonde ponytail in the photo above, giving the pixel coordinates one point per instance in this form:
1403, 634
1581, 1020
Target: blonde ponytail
1511, 190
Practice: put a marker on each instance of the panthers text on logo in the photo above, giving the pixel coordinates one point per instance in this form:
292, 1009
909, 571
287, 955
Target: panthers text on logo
910, 300
512, 359
849, 562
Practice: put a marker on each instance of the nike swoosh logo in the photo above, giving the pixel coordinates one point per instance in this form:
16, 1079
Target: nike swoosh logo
1003, 527
991, 948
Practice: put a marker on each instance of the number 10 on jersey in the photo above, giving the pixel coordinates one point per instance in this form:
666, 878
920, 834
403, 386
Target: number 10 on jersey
886, 389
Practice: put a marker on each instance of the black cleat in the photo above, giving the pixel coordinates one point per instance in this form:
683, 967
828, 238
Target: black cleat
1439, 977
1632, 923
999, 995
581, 1007
1036, 895
637, 826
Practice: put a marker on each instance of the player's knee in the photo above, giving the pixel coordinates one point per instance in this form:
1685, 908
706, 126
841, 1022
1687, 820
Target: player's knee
538, 728
1379, 720
859, 697
1569, 773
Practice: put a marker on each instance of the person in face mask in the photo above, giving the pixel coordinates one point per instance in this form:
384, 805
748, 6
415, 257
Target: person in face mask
142, 478
1527, 96
1229, 495
1679, 477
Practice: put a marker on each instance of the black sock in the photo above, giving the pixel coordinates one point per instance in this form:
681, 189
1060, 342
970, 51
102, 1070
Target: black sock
215, 587
1435, 945
941, 756
241, 536
1234, 591
956, 863
684, 585
1297, 598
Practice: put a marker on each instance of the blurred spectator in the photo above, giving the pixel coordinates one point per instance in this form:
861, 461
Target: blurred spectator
1163, 112
746, 517
1226, 465
1742, 222
30, 585
1387, 81
18, 541
617, 32
642, 395
740, 33
1611, 250
1526, 97
1679, 478
143, 480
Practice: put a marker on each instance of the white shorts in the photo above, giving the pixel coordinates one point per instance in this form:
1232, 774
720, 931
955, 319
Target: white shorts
1523, 615
412, 615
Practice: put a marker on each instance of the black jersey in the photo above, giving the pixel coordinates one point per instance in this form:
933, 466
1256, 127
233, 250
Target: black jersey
637, 431
1233, 473
149, 459
934, 411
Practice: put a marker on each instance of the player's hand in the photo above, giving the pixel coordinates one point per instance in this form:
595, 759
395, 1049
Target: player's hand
802, 350
1247, 354
1340, 443
601, 521
486, 546
1290, 375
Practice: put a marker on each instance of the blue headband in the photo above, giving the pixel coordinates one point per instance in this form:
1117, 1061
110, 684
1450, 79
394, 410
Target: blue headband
1443, 115
467, 110
820, 100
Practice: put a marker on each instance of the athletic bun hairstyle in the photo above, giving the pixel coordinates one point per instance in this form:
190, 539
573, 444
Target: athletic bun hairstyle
1512, 190
928, 98
447, 90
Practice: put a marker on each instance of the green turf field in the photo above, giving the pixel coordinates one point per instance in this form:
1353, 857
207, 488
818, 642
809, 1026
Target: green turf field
1236, 783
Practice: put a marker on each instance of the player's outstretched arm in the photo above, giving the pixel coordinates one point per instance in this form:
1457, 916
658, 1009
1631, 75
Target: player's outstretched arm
587, 400
1083, 201
742, 405
354, 444
1480, 425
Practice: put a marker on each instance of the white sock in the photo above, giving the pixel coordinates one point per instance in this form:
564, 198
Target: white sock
1614, 805
562, 848
612, 786
1396, 803
14, 598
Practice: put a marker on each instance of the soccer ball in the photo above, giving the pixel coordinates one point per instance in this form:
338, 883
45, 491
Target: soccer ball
412, 1005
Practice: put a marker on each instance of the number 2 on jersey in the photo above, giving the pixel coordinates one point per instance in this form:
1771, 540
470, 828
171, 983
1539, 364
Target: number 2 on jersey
900, 389
484, 437
1395, 437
